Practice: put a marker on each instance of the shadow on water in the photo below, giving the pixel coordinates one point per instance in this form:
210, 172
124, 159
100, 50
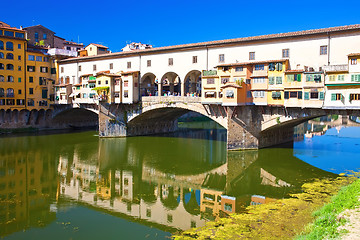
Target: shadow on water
147, 186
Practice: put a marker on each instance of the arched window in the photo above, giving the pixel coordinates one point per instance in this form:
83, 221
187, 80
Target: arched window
10, 79
10, 92
2, 78
1, 55
2, 92
2, 66
9, 56
9, 67
1, 45
9, 46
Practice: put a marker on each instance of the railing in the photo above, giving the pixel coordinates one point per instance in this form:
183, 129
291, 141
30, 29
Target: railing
172, 99
9, 95
336, 68
63, 52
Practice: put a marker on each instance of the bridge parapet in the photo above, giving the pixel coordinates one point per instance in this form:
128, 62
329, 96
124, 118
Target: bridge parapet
170, 99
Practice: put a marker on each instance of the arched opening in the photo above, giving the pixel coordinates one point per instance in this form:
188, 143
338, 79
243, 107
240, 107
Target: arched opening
192, 83
15, 116
169, 196
170, 84
148, 87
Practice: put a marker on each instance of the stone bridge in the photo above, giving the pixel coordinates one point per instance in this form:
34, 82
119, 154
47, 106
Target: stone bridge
248, 127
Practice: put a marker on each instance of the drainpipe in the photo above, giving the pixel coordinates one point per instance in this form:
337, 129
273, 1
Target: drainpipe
328, 34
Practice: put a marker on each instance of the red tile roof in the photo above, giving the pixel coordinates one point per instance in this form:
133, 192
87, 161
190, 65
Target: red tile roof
97, 45
251, 63
295, 71
231, 85
354, 54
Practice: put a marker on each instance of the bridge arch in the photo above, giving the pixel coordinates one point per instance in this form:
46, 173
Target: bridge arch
148, 84
170, 83
192, 83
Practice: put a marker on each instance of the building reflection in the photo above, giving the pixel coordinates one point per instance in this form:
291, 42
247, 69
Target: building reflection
28, 184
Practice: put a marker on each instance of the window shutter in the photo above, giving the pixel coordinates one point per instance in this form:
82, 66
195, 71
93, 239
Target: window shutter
278, 80
333, 97
306, 95
299, 94
299, 77
271, 80
352, 78
44, 93
286, 95
321, 95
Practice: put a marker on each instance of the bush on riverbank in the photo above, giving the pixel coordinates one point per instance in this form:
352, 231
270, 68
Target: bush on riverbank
282, 219
17, 130
327, 221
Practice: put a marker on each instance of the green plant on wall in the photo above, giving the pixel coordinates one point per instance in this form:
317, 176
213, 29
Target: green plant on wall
239, 82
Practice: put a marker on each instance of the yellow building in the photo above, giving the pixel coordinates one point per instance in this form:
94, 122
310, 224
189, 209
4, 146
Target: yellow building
12, 64
276, 76
314, 90
41, 75
105, 86
211, 93
293, 88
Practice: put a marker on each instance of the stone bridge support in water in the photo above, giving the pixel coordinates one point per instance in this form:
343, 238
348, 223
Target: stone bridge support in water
248, 127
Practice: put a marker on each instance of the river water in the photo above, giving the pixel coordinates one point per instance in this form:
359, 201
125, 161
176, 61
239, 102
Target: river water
77, 186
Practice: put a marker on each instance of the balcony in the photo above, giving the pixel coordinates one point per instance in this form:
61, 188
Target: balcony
336, 68
62, 52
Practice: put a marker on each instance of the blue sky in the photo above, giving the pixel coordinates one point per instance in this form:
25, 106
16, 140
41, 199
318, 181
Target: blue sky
164, 23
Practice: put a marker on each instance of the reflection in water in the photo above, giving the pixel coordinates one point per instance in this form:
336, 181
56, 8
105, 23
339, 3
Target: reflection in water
163, 182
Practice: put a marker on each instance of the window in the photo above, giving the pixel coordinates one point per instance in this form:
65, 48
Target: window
9, 46
221, 58
44, 93
210, 94
239, 69
62, 69
228, 207
42, 81
224, 80
111, 65
128, 64
278, 80
355, 78
2, 66
229, 94
251, 55
126, 83
314, 95
271, 80
19, 68
170, 218
106, 82
194, 59
68, 48
19, 57
1, 55
20, 101
53, 70
31, 79
19, 35
31, 91
30, 102
19, 46
148, 63
148, 213
44, 36
276, 95
2, 93
2, 78
99, 82
126, 93
36, 36
332, 78
9, 92
353, 61
210, 81
248, 94
259, 80
8, 33
285, 53
10, 101
79, 68
1, 45
39, 58
259, 94
19, 79
46, 59
171, 61
31, 68
259, 67
9, 56
44, 69
323, 50
354, 96
341, 77
31, 58
9, 67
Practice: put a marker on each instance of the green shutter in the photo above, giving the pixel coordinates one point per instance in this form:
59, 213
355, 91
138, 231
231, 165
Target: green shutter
321, 95
333, 97
352, 78
19, 79
278, 80
306, 95
299, 94
271, 80
299, 77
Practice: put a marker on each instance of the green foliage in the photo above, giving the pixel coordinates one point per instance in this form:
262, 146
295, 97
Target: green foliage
278, 120
100, 90
326, 219
334, 117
